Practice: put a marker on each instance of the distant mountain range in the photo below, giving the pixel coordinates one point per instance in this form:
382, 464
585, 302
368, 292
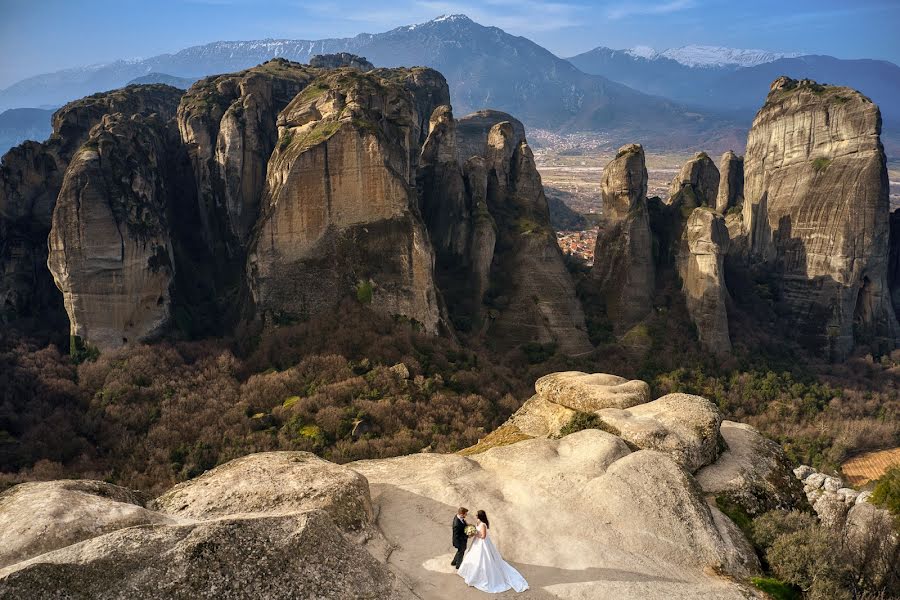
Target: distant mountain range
687, 97
485, 67
20, 124
737, 80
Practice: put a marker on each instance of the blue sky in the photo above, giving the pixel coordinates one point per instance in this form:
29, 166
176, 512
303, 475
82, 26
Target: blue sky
37, 36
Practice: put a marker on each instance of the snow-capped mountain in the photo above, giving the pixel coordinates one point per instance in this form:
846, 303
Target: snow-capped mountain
484, 66
719, 56
697, 56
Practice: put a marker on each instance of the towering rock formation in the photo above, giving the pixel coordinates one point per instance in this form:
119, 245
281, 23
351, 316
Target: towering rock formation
816, 212
340, 209
341, 59
535, 296
228, 125
697, 184
30, 180
110, 251
894, 261
731, 183
623, 257
701, 255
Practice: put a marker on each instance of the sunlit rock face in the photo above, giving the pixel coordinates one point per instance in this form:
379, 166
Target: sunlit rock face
340, 210
816, 213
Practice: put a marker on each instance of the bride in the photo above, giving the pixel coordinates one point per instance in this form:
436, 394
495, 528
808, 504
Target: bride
484, 568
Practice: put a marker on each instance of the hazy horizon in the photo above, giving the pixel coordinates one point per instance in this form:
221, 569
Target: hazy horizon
101, 31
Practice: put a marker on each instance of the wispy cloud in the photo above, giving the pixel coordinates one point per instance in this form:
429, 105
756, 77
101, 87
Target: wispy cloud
621, 11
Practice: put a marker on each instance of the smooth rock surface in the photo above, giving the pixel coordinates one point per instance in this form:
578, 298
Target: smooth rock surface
110, 247
39, 517
753, 472
684, 426
590, 392
731, 183
697, 184
273, 483
294, 556
580, 517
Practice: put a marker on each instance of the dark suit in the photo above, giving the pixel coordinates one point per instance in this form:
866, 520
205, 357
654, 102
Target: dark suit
459, 540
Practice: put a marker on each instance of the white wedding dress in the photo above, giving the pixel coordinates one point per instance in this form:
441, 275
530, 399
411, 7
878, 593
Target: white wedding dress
483, 567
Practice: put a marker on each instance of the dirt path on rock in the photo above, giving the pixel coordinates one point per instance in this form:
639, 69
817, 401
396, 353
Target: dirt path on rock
417, 530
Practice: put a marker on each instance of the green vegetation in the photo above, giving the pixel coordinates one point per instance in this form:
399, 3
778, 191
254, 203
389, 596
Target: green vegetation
887, 491
311, 92
286, 140
319, 132
778, 590
581, 421
736, 513
364, 292
82, 351
820, 164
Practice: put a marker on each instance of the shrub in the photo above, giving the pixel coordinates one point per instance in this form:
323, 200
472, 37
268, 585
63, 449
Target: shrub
768, 527
364, 292
776, 589
887, 491
581, 421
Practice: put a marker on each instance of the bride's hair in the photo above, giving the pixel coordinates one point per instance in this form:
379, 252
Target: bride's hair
482, 516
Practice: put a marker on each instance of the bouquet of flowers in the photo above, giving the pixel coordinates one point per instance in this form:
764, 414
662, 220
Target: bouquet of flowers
469, 530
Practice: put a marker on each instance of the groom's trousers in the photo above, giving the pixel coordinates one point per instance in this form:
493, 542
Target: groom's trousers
457, 560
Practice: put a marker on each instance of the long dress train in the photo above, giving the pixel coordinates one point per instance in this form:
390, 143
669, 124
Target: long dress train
483, 567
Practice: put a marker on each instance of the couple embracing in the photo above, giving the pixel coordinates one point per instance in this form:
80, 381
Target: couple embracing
482, 567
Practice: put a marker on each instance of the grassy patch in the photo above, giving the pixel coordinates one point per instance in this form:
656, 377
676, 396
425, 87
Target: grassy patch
364, 292
502, 436
777, 589
820, 164
736, 513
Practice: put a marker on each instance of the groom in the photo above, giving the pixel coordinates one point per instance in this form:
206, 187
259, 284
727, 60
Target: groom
459, 536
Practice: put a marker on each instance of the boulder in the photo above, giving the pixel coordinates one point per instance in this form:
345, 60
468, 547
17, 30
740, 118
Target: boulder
110, 250
292, 556
816, 214
697, 184
683, 426
624, 269
831, 508
731, 183
590, 392
665, 489
340, 213
39, 517
803, 471
813, 482
701, 266
753, 472
273, 483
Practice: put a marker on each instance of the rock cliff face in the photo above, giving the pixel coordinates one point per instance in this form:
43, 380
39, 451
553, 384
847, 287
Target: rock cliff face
816, 212
731, 183
894, 261
701, 257
30, 179
227, 123
623, 257
110, 251
340, 209
533, 294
